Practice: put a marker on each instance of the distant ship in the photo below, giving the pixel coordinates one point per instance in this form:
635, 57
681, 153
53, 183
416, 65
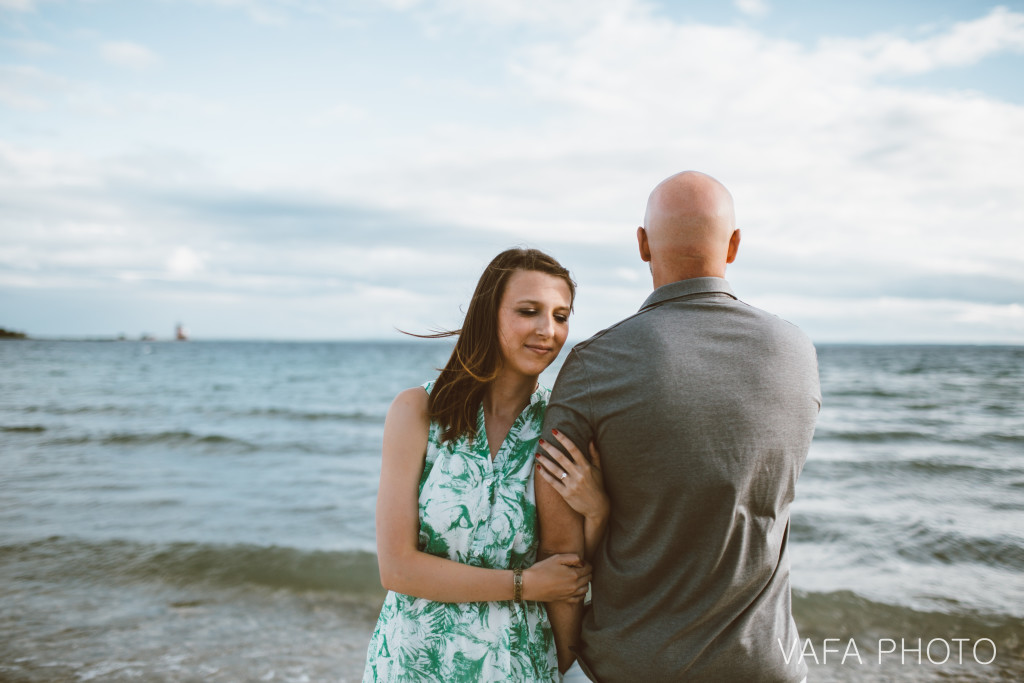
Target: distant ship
180, 333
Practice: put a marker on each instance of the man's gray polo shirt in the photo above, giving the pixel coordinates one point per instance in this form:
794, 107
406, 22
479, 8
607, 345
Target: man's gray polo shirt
703, 409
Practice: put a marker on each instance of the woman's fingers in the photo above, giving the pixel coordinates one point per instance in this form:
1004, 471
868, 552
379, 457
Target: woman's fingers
557, 463
595, 457
554, 468
569, 446
571, 560
555, 482
558, 457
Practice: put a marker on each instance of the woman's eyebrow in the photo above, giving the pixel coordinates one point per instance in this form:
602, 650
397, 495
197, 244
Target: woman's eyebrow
531, 302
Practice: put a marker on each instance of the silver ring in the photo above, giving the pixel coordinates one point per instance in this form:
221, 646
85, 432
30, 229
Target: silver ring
564, 475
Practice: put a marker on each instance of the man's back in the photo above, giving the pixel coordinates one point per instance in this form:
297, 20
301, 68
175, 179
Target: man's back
703, 409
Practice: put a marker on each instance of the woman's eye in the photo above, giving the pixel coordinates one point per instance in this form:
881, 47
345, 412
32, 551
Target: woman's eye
527, 311
562, 318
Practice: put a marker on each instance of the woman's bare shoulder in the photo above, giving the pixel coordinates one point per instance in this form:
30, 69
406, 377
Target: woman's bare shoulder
409, 407
414, 398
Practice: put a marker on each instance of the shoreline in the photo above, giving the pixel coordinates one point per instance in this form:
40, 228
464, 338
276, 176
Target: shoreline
83, 631
167, 619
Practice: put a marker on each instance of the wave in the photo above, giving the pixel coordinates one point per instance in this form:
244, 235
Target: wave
870, 436
24, 429
868, 393
939, 432
353, 573
101, 409
358, 416
916, 541
174, 438
1003, 437
207, 444
313, 416
991, 473
845, 614
69, 559
926, 544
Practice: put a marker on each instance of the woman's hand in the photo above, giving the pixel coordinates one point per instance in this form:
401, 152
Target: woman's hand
559, 577
578, 481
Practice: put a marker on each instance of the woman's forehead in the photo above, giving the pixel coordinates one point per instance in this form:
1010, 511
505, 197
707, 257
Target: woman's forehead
533, 285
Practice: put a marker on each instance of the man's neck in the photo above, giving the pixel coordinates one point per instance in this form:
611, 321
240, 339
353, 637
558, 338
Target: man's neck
668, 278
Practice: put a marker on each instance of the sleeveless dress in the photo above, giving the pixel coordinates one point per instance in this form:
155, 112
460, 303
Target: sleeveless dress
480, 513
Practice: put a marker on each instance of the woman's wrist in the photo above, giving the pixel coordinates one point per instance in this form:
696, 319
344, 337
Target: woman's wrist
598, 515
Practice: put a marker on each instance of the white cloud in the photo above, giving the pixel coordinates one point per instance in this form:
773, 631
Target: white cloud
402, 5
567, 14
846, 179
893, 319
18, 5
26, 167
28, 88
755, 8
19, 100
30, 48
822, 158
185, 261
340, 113
965, 43
129, 55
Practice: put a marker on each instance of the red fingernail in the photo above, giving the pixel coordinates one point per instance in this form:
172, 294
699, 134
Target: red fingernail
538, 466
541, 441
536, 455
554, 431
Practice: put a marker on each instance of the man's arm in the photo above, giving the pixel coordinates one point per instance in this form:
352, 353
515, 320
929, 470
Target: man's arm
561, 528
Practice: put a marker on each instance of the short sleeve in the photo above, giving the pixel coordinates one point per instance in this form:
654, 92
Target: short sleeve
569, 406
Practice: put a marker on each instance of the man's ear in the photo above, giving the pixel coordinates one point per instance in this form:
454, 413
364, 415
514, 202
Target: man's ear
734, 246
645, 248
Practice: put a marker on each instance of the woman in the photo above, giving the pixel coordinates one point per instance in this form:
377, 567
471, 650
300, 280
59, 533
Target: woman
456, 519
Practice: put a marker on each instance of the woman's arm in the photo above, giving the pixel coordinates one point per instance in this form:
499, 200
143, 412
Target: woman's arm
404, 569
582, 487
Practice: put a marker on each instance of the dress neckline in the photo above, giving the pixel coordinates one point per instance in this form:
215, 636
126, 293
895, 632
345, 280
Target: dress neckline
483, 448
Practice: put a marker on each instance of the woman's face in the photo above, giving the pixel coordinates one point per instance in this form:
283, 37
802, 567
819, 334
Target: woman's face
533, 321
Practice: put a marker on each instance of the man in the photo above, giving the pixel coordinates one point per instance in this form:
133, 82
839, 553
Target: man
702, 409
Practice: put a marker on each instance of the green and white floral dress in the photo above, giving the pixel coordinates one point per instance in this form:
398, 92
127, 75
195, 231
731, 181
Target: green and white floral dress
481, 513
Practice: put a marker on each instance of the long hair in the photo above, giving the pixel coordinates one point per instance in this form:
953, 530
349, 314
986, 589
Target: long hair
455, 399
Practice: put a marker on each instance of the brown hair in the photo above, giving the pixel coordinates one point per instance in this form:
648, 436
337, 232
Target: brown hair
457, 393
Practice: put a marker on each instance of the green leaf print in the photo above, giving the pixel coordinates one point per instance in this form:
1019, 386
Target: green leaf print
433, 543
463, 520
481, 513
468, 670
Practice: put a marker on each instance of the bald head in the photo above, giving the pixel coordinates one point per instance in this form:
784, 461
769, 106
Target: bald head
689, 229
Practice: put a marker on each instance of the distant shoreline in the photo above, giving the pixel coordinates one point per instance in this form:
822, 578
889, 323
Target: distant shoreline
7, 334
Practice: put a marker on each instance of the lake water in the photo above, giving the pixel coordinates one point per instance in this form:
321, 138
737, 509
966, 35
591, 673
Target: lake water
204, 510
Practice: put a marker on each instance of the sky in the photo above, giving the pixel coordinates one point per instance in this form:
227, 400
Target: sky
342, 169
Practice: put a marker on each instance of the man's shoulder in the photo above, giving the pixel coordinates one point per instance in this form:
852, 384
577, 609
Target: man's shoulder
609, 335
776, 324
632, 328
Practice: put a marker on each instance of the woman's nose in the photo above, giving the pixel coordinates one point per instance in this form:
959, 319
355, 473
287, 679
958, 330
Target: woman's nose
545, 326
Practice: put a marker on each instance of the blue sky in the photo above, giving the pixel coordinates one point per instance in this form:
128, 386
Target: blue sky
304, 169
